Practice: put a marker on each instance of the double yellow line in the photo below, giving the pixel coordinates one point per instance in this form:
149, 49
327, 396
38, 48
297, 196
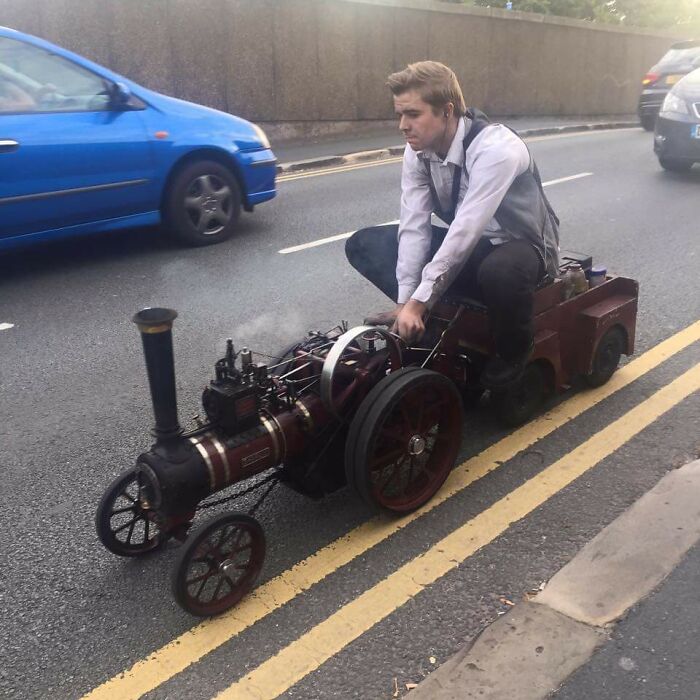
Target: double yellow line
293, 663
301, 175
338, 169
306, 654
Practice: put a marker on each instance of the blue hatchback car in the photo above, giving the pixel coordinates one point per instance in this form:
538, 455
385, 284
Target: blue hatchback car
84, 150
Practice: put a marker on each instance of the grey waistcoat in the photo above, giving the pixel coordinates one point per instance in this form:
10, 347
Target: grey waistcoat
524, 212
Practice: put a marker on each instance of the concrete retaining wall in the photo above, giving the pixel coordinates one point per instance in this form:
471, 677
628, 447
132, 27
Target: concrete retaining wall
327, 60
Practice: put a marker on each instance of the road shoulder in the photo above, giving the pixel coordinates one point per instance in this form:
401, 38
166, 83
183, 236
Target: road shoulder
532, 650
349, 151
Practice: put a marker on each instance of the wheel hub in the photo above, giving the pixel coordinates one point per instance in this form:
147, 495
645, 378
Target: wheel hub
226, 565
209, 204
416, 445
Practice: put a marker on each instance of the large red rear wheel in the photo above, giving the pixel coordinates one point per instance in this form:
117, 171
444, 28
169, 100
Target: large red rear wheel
404, 439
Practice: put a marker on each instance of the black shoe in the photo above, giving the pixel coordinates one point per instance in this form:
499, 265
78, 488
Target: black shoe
500, 373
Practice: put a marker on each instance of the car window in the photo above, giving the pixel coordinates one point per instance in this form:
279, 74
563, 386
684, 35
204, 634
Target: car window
33, 79
681, 56
692, 79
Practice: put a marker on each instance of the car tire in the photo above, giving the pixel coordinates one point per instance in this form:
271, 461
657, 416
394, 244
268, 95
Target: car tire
674, 165
202, 203
648, 122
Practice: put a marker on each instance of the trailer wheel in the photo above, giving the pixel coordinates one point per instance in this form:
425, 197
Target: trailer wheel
404, 439
519, 402
218, 564
607, 356
123, 525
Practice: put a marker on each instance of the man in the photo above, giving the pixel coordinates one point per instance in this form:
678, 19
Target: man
480, 179
13, 98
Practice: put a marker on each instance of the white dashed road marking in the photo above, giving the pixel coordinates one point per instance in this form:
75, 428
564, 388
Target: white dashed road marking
340, 236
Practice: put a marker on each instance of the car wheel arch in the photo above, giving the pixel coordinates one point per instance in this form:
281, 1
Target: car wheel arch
222, 157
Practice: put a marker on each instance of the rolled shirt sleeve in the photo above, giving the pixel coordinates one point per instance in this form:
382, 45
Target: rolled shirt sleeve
495, 165
415, 232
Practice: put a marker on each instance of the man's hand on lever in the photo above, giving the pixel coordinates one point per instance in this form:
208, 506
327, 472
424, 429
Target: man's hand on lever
409, 321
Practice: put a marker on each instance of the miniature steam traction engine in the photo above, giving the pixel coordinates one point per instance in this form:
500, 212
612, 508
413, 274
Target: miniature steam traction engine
349, 406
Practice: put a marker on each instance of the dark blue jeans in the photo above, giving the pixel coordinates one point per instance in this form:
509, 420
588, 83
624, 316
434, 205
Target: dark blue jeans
504, 277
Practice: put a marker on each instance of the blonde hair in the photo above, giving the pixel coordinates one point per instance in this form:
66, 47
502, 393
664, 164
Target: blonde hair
435, 83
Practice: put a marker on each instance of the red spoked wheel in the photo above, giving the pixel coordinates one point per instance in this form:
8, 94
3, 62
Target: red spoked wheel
404, 439
125, 524
218, 564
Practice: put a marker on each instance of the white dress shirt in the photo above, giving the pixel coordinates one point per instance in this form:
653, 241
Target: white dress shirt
493, 160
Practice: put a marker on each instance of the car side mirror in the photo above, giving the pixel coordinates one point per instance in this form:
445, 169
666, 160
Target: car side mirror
119, 95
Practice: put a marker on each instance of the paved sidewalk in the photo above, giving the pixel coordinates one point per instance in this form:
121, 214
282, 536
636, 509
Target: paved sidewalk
385, 137
654, 653
530, 652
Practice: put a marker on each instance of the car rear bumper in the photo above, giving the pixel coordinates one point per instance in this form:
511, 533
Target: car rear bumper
673, 139
650, 102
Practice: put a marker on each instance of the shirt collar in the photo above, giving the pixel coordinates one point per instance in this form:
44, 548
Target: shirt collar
455, 153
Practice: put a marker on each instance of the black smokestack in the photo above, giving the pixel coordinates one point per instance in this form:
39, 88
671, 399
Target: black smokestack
156, 326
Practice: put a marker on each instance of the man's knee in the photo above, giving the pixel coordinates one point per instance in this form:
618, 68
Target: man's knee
354, 246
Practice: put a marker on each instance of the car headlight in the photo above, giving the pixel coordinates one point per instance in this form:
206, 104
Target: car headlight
262, 136
674, 105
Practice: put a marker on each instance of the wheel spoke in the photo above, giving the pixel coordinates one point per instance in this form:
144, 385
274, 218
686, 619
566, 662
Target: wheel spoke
386, 458
238, 532
204, 221
432, 415
223, 193
201, 586
197, 579
397, 470
409, 481
218, 587
406, 416
131, 531
401, 438
146, 525
194, 202
126, 495
125, 525
221, 215
204, 182
119, 511
242, 548
419, 417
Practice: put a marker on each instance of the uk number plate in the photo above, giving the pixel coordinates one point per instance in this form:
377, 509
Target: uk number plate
695, 131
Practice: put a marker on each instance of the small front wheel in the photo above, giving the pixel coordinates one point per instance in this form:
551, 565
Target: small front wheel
203, 203
124, 526
218, 564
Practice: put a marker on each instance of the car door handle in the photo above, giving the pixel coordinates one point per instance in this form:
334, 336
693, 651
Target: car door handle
8, 145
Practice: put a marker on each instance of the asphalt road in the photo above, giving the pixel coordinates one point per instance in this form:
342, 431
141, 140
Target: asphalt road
75, 412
